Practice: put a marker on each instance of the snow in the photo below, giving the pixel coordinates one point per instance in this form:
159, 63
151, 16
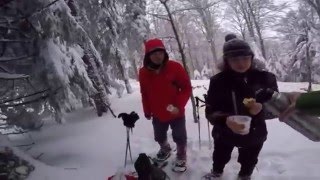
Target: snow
90, 147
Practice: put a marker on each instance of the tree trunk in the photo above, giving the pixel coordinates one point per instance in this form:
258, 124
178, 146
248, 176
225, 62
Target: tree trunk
308, 59
123, 74
257, 25
207, 20
315, 4
182, 55
190, 57
246, 17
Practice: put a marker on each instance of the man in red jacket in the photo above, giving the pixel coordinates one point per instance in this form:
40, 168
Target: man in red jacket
165, 89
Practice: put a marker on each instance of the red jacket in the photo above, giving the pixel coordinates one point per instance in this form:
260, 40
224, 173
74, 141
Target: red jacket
171, 86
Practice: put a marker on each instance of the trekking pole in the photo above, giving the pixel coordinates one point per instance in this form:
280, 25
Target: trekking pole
128, 148
209, 135
198, 118
234, 101
128, 122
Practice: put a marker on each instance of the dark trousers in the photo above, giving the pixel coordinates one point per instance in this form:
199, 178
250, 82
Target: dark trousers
248, 157
179, 133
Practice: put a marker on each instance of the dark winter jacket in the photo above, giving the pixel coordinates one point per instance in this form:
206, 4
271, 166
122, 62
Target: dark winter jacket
220, 104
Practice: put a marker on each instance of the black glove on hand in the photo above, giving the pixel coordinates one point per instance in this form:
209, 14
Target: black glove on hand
129, 119
264, 95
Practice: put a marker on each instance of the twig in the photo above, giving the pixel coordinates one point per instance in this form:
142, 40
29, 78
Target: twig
30, 101
38, 157
160, 16
21, 97
24, 103
70, 168
28, 148
108, 106
23, 145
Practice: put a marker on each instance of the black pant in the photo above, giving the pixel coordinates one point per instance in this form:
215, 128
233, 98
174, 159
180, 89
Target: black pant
178, 126
248, 157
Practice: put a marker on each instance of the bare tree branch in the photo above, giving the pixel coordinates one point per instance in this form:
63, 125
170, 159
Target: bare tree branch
9, 27
3, 101
8, 76
315, 5
15, 40
160, 16
196, 8
26, 102
6, 59
182, 55
33, 13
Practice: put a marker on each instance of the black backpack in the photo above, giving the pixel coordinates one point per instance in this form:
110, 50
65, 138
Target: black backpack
147, 170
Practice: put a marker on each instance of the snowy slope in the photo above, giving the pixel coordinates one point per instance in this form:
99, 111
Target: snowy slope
89, 147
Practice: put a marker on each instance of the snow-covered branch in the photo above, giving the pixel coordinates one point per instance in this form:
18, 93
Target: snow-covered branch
6, 59
8, 76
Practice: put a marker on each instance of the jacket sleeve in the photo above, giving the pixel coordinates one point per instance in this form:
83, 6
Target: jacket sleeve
144, 96
214, 111
271, 83
184, 84
309, 103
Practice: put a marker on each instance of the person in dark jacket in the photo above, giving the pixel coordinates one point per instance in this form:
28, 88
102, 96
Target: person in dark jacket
165, 90
238, 80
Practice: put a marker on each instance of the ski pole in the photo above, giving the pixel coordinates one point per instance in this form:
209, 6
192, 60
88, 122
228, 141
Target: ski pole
128, 148
198, 117
209, 135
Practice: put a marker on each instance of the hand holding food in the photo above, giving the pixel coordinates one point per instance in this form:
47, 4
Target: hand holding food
252, 105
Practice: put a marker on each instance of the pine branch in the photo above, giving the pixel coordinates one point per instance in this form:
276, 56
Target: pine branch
5, 59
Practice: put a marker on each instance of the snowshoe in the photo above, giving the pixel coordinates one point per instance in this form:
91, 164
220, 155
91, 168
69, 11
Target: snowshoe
163, 154
244, 178
212, 176
179, 166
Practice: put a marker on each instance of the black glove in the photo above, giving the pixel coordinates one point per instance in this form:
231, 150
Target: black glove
148, 117
129, 119
264, 95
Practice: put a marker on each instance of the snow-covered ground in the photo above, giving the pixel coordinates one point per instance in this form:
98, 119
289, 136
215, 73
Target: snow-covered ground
88, 147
